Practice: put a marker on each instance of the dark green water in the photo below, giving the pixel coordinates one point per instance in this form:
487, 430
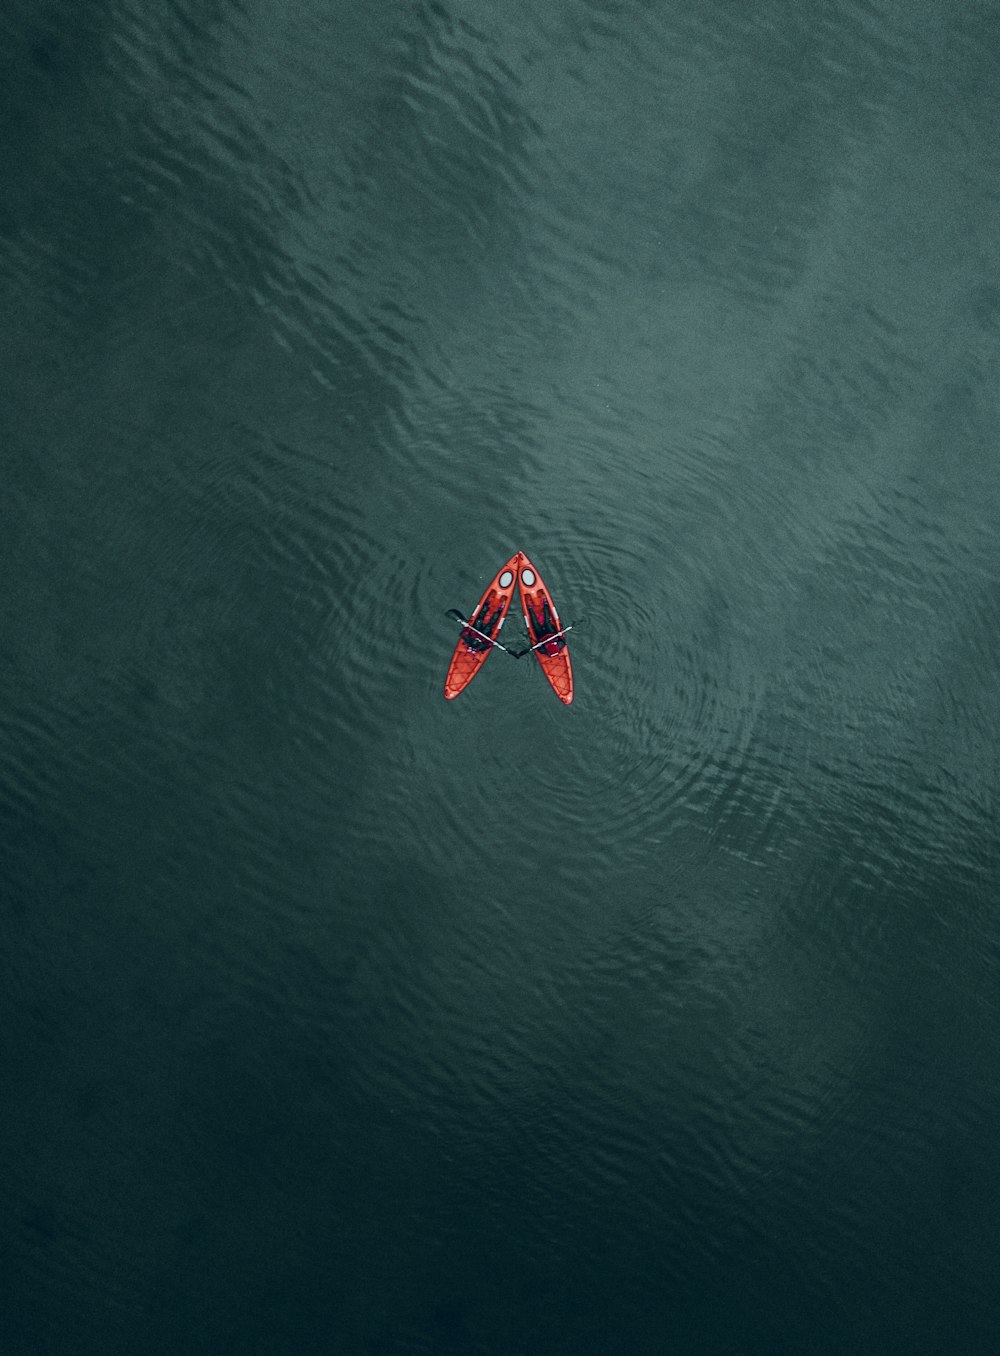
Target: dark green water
339, 1019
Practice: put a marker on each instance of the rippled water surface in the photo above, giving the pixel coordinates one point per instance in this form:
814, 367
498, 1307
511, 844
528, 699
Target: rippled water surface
342, 1019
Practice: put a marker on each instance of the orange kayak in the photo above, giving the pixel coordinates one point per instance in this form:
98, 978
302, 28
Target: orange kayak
473, 649
542, 620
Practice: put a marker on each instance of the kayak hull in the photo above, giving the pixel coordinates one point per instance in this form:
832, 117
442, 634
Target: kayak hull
541, 619
471, 652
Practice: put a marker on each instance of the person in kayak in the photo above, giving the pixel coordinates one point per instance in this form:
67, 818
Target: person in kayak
483, 621
543, 626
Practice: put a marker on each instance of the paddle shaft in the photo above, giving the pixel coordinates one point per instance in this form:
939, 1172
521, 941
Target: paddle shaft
467, 625
514, 654
545, 640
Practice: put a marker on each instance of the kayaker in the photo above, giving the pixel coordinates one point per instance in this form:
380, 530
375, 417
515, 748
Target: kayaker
543, 626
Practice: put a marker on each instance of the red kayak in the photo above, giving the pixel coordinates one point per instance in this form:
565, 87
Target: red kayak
545, 632
481, 631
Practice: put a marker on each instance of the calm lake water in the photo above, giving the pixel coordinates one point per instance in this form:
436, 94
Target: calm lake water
341, 1019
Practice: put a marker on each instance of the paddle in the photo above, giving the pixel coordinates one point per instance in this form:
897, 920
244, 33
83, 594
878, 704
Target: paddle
519, 654
454, 612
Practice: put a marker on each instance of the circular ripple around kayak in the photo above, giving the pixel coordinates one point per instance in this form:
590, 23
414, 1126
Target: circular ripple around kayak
664, 700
